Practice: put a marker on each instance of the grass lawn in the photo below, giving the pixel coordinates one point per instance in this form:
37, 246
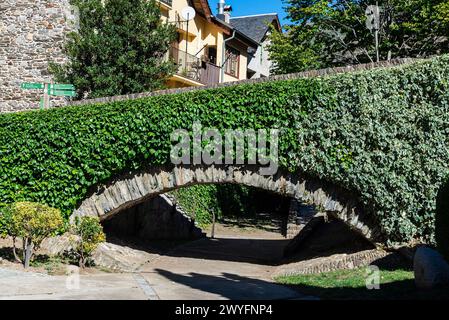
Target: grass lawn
351, 285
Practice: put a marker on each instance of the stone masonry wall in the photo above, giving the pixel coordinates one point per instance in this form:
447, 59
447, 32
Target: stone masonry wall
299, 216
32, 34
155, 219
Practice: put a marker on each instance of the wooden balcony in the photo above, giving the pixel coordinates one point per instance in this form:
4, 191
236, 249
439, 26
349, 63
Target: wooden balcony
193, 68
167, 2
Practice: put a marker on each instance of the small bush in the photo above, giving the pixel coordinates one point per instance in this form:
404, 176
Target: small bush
7, 227
5, 221
442, 220
88, 235
33, 222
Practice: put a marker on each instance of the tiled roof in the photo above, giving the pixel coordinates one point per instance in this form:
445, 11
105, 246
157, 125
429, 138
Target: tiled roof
255, 26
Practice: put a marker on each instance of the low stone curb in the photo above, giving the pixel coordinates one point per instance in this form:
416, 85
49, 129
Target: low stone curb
332, 263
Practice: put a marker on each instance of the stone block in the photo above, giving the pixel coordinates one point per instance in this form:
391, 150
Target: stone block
430, 268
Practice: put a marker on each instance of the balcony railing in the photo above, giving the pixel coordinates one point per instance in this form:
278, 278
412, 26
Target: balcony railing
193, 68
167, 2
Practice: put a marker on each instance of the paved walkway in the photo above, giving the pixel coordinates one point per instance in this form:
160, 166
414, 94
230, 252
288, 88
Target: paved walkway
29, 286
223, 268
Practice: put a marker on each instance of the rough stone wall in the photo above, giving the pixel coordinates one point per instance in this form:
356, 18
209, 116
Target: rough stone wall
154, 219
299, 215
32, 34
130, 189
339, 262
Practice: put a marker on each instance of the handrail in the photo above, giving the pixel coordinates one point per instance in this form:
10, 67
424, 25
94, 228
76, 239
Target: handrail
167, 2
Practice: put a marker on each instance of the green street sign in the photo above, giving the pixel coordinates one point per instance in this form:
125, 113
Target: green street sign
70, 87
28, 85
62, 93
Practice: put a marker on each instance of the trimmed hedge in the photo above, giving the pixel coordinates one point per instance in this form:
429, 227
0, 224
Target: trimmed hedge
442, 220
383, 134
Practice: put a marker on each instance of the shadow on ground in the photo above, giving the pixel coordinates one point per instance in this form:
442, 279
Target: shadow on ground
258, 251
399, 290
7, 254
233, 286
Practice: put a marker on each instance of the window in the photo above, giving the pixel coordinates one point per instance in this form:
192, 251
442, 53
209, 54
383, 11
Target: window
232, 62
212, 55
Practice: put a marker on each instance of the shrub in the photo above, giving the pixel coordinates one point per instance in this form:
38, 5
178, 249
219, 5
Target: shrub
382, 134
88, 235
7, 228
5, 221
34, 222
442, 220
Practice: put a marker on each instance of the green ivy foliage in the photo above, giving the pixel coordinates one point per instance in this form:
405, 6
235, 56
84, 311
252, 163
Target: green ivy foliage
381, 134
200, 202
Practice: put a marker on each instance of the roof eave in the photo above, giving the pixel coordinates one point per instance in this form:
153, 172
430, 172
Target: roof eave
242, 37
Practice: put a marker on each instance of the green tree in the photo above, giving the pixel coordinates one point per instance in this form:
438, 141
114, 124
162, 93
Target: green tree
7, 228
334, 33
292, 56
34, 222
89, 234
119, 48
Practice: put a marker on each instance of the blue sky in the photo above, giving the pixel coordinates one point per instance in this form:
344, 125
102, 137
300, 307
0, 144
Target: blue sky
250, 7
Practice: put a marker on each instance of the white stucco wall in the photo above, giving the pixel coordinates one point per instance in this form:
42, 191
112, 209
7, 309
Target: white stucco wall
261, 63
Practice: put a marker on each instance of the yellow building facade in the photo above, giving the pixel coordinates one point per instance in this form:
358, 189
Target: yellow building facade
208, 49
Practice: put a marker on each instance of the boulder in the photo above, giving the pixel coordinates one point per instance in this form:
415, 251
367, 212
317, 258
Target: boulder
121, 259
430, 268
56, 246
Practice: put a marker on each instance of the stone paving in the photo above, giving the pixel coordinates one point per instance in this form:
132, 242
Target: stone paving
30, 286
229, 267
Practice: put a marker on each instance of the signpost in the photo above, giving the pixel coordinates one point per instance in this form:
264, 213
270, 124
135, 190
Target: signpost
373, 24
59, 90
30, 86
70, 87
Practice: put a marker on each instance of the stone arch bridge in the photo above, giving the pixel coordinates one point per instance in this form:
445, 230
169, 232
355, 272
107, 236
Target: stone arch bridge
129, 190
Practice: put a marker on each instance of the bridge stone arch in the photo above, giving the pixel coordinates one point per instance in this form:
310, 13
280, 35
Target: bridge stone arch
131, 189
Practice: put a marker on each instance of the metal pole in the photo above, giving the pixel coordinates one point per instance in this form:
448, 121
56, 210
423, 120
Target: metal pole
223, 56
377, 30
187, 39
377, 44
46, 96
212, 235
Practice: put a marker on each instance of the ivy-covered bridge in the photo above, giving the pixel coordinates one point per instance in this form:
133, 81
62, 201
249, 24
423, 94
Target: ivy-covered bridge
369, 146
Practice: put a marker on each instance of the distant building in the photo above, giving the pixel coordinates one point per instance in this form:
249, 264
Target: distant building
257, 27
33, 34
212, 50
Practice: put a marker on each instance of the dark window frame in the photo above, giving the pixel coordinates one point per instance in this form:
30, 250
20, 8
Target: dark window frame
236, 53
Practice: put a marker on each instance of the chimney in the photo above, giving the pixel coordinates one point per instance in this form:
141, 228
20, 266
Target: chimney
224, 11
227, 14
221, 6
